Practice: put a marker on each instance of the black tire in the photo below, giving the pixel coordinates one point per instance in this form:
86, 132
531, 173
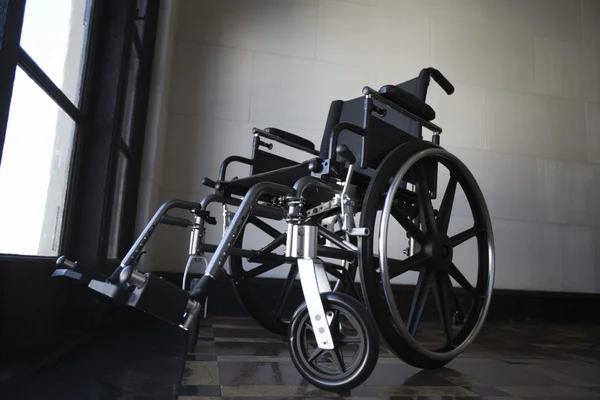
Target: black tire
400, 341
367, 338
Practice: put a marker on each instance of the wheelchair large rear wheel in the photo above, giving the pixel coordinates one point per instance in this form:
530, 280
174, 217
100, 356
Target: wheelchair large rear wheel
450, 261
272, 302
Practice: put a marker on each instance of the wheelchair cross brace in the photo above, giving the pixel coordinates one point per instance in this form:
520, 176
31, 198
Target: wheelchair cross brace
166, 301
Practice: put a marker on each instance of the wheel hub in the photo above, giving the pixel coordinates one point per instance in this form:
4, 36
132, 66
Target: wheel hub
439, 249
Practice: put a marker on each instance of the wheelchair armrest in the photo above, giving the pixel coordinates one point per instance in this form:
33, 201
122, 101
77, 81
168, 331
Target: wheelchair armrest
209, 182
408, 101
288, 139
229, 160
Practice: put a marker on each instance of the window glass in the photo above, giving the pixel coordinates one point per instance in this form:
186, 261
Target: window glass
55, 35
34, 171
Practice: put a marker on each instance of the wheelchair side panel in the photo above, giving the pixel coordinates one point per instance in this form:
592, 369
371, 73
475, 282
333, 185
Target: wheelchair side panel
265, 162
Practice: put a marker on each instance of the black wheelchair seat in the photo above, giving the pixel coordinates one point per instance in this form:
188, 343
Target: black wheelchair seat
284, 176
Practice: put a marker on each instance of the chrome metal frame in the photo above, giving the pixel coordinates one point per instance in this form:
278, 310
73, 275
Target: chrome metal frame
301, 242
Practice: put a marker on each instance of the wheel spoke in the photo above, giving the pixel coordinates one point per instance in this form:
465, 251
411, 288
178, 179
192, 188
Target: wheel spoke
263, 226
409, 264
409, 226
285, 292
315, 354
443, 219
461, 280
457, 305
349, 340
463, 236
419, 298
442, 297
338, 358
274, 244
261, 269
424, 200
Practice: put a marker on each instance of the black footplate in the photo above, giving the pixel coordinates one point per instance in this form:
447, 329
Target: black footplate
151, 294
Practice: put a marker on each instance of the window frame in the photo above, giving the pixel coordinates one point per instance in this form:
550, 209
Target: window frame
112, 35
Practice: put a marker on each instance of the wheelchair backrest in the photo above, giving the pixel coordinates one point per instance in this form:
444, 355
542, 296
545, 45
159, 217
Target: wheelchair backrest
384, 132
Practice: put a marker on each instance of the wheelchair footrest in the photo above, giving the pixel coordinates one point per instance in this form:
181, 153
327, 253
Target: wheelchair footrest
160, 298
68, 273
109, 290
150, 293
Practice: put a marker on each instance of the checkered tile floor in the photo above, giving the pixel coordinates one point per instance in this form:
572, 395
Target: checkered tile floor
236, 359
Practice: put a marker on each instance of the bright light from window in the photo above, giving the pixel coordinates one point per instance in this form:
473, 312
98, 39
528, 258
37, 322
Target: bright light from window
37, 150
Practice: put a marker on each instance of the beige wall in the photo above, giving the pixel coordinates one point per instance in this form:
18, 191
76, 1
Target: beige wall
525, 116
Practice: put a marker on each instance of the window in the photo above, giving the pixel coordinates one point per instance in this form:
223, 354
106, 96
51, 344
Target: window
72, 125
34, 171
73, 100
54, 34
38, 147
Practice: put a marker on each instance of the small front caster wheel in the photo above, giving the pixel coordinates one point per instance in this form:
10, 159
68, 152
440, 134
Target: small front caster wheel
356, 344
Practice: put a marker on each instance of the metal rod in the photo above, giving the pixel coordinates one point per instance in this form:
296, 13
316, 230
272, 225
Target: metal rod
296, 244
274, 244
229, 160
259, 210
133, 277
263, 226
147, 232
310, 181
219, 198
338, 254
193, 310
327, 234
196, 236
255, 256
289, 239
411, 240
137, 279
251, 255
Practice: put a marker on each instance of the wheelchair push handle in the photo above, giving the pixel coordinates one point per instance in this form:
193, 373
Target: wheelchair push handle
442, 81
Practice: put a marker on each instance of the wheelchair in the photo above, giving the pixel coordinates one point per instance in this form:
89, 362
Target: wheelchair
373, 165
